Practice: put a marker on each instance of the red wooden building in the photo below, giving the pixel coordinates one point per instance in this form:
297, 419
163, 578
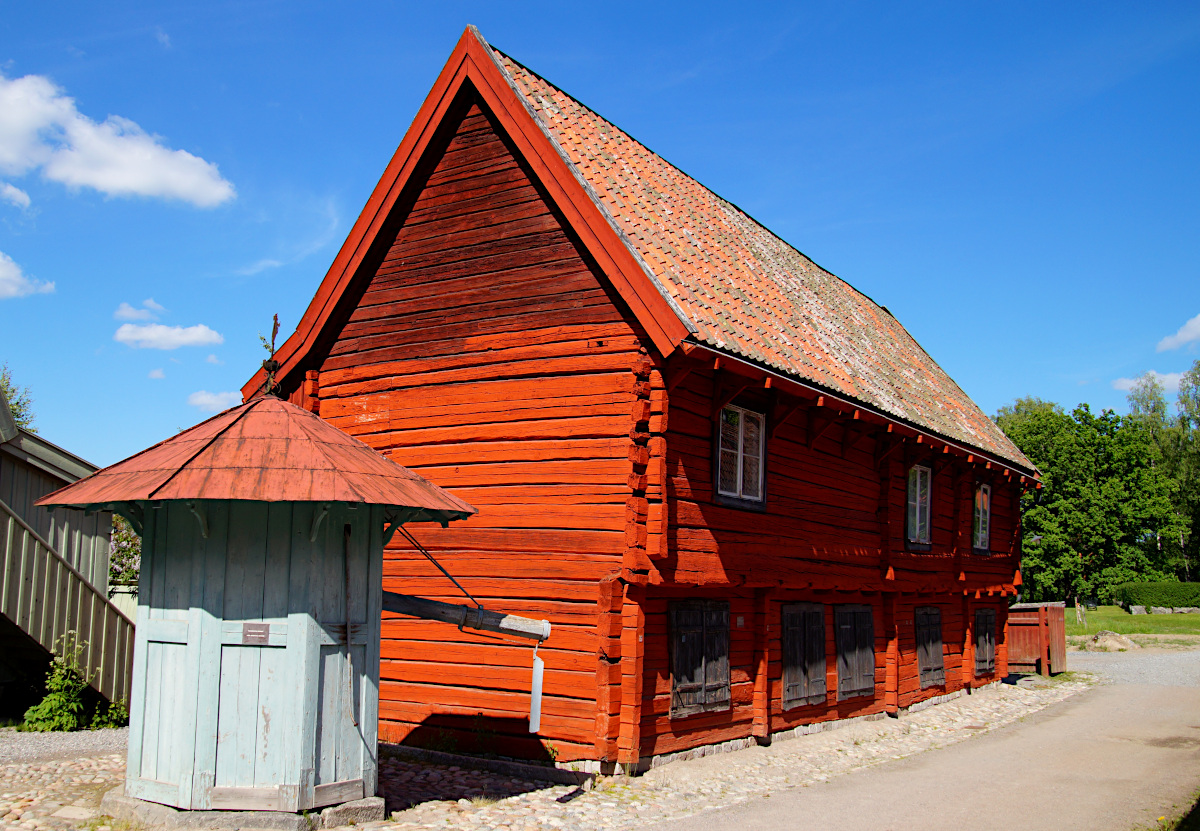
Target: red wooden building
743, 494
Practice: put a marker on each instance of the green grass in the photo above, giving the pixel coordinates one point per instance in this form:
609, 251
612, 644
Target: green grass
1189, 821
1115, 619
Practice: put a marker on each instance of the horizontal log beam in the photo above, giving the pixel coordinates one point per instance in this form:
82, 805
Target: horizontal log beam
466, 616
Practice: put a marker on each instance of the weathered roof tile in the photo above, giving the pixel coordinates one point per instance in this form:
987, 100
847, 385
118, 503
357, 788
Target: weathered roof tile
769, 302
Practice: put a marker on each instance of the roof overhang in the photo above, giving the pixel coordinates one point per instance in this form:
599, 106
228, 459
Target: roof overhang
473, 67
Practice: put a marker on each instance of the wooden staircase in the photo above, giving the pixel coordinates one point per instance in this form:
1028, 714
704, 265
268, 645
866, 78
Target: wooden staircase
45, 597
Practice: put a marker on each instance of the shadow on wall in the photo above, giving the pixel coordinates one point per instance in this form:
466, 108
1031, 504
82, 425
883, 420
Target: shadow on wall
479, 735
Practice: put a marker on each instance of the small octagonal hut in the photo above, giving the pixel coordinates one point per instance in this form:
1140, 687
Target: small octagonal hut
256, 664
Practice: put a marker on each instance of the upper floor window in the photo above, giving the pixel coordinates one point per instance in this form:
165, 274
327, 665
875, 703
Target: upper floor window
740, 461
917, 524
983, 517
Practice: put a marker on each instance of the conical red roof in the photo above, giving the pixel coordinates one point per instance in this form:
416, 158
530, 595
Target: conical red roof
266, 450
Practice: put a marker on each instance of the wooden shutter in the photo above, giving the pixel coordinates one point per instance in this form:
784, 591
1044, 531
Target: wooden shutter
985, 641
855, 638
687, 657
716, 654
803, 646
794, 646
930, 659
847, 665
865, 636
699, 656
814, 651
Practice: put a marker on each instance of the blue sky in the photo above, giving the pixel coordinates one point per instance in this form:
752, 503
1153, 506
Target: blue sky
1018, 183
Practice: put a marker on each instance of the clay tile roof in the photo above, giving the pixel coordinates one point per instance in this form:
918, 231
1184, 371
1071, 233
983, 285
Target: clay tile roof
746, 291
266, 450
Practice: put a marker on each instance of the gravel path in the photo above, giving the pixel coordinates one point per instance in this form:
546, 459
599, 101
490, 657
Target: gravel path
59, 795
16, 746
1160, 668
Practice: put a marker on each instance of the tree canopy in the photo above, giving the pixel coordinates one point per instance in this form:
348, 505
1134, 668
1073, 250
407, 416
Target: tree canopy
1121, 494
20, 402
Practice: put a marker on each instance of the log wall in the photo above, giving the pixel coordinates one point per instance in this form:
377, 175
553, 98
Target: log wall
831, 532
489, 353
486, 355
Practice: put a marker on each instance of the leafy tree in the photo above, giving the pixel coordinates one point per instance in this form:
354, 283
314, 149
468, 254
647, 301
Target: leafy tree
20, 402
124, 552
1106, 503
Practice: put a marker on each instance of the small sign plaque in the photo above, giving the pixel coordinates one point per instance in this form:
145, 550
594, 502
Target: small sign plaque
255, 634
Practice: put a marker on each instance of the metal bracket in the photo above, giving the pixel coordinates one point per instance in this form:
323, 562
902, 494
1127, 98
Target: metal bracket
198, 512
317, 520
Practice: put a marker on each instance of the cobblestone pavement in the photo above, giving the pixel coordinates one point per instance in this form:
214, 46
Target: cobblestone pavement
58, 794
424, 796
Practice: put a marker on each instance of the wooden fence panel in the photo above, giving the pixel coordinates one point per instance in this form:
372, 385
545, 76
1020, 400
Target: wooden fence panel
46, 596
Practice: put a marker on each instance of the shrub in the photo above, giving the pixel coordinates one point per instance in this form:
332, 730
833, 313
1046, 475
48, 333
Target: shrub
62, 708
1164, 593
115, 714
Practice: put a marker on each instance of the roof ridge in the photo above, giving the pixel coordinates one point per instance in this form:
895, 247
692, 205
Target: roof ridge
683, 172
679, 311
245, 408
321, 445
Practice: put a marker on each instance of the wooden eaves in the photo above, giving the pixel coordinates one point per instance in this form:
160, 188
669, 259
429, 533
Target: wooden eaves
473, 64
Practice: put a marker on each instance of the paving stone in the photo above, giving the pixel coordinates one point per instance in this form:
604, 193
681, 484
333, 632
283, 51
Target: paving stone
34, 797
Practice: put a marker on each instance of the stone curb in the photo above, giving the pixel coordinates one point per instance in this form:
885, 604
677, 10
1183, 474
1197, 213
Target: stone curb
518, 770
119, 806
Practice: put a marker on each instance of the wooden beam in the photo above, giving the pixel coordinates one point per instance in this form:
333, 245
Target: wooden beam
787, 412
814, 434
721, 400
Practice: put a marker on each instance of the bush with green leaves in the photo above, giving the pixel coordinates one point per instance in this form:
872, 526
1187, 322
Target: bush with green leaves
115, 714
63, 707
1168, 593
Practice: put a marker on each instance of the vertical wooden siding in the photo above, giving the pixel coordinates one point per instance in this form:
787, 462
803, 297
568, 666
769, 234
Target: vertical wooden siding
80, 539
222, 723
488, 356
45, 596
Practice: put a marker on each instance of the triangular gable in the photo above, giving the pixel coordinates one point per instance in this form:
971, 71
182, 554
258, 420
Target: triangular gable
473, 64
689, 265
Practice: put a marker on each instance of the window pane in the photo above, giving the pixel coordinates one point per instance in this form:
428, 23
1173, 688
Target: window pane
751, 437
751, 455
729, 472
923, 504
730, 424
911, 523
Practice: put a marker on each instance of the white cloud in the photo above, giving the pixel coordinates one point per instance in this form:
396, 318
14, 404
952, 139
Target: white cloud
1188, 333
1169, 380
147, 312
40, 127
213, 359
14, 195
127, 312
157, 374
158, 336
260, 266
14, 283
162, 37
214, 402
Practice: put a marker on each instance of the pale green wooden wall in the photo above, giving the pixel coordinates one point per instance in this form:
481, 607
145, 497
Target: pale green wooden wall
222, 720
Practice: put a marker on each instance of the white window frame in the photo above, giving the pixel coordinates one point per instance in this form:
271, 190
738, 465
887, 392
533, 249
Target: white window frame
913, 518
981, 529
741, 452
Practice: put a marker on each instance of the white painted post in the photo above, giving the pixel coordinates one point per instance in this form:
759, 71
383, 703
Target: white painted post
535, 697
